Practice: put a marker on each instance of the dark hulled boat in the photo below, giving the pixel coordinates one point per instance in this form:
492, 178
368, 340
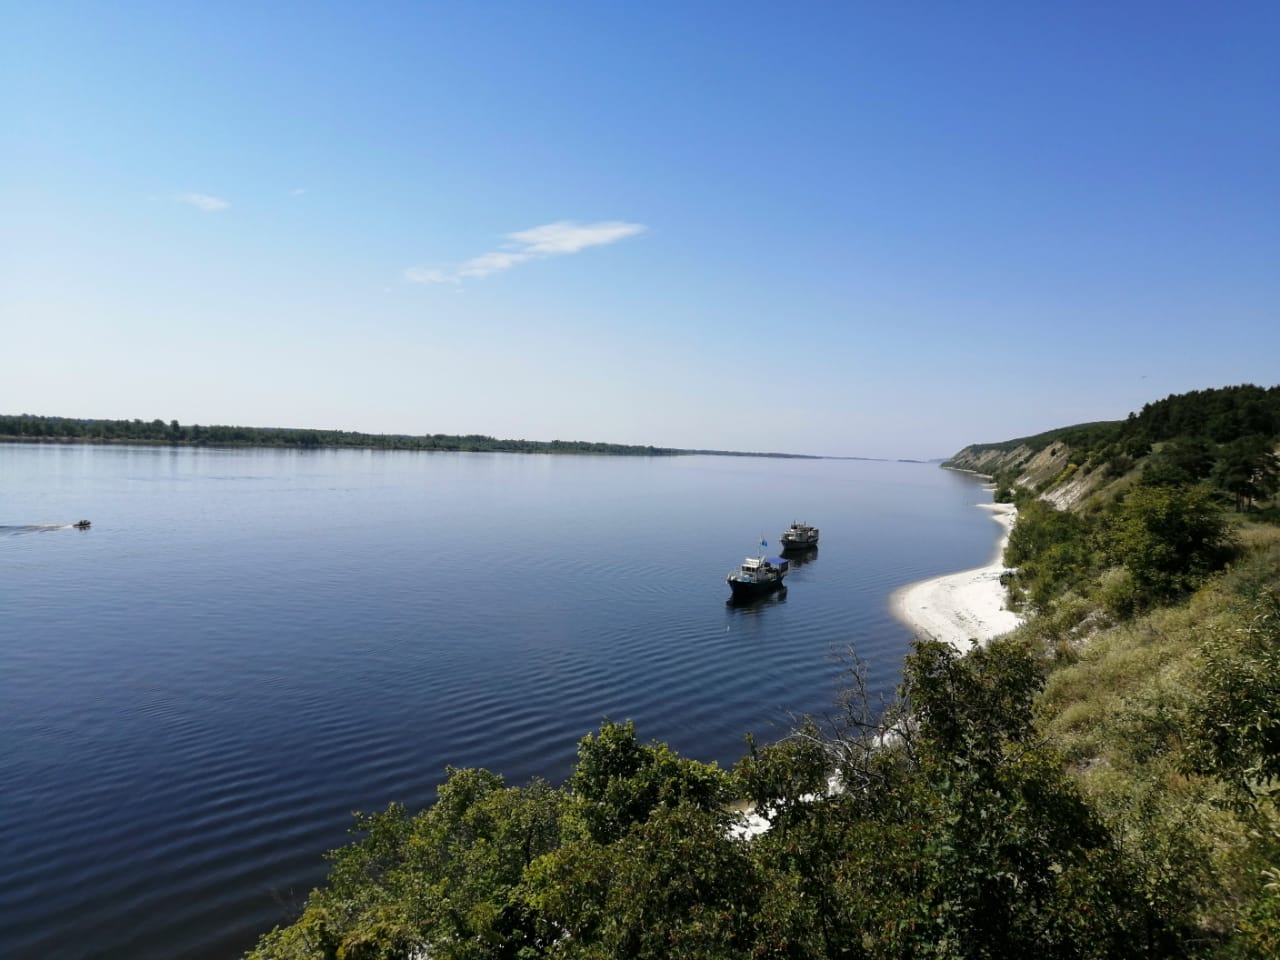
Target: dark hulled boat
757, 576
799, 536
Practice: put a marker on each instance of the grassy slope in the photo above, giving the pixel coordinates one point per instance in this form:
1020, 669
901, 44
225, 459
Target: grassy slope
1123, 700
1121, 707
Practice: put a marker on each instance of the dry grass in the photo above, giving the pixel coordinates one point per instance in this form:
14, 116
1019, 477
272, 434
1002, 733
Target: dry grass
1122, 713
1254, 537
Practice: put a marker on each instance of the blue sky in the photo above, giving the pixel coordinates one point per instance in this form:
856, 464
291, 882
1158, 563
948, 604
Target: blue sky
850, 229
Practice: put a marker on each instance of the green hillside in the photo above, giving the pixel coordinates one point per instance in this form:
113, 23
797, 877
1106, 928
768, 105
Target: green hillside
1220, 436
1147, 554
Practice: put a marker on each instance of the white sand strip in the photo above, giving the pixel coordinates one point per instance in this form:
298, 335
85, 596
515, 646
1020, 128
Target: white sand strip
964, 606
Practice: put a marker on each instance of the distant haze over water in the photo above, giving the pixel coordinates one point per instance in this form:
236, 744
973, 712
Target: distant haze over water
250, 644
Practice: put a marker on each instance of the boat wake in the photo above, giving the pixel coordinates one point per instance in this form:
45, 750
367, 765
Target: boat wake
12, 530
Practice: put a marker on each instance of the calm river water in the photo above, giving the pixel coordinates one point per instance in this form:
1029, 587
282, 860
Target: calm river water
248, 645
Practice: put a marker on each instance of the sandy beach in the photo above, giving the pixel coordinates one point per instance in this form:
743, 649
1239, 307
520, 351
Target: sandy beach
960, 607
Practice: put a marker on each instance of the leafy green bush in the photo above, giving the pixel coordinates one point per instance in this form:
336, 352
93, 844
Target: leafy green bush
1238, 737
1052, 551
1119, 594
1168, 538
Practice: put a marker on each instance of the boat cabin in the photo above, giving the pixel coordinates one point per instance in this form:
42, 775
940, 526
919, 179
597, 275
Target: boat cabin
757, 567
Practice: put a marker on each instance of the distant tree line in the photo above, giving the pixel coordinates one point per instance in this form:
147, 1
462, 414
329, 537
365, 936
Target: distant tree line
68, 429
1221, 415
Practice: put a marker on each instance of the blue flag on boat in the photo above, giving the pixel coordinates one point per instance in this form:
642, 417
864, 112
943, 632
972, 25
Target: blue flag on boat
764, 542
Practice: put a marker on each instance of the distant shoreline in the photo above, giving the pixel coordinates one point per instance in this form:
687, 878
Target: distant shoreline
32, 428
519, 446
567, 448
67, 430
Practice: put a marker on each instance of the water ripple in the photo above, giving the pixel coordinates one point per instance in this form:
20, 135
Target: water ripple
201, 690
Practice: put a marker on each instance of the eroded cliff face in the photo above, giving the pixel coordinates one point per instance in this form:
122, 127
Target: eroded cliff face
1053, 470
990, 460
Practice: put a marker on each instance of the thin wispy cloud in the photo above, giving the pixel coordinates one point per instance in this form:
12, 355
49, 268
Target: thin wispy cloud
297, 191
203, 201
536, 243
427, 275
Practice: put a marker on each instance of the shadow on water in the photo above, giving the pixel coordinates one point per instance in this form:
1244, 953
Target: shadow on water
757, 604
798, 558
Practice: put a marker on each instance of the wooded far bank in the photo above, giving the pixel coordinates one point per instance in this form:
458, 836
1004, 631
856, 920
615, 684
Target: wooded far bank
36, 429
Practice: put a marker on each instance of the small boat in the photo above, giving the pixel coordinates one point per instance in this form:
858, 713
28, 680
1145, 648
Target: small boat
799, 536
81, 525
757, 576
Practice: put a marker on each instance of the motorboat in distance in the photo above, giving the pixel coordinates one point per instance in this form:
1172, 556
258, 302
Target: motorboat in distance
799, 536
